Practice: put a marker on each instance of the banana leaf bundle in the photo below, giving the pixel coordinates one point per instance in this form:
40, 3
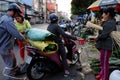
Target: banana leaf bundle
114, 64
48, 47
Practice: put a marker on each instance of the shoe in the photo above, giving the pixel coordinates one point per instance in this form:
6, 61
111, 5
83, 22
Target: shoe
66, 75
98, 77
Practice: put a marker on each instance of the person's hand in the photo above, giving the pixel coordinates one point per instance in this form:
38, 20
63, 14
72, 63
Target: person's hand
24, 42
23, 32
88, 24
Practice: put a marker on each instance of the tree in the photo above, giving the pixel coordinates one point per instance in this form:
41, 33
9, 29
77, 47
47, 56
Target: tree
80, 6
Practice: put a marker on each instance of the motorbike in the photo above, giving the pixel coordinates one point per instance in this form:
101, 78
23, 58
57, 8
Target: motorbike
41, 64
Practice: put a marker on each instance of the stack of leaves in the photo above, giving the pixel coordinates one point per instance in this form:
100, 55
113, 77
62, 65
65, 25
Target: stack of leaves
48, 47
86, 32
116, 51
42, 40
114, 65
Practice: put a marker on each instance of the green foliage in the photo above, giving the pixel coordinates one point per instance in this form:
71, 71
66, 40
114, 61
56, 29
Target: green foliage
114, 64
116, 52
88, 31
61, 17
80, 6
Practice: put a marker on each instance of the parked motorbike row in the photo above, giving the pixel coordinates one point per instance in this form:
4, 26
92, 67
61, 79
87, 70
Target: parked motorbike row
74, 27
78, 28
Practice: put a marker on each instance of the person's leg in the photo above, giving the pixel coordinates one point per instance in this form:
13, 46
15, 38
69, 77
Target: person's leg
105, 55
10, 62
100, 73
22, 48
64, 59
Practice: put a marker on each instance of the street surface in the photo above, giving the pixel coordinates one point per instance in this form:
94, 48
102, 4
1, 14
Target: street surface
76, 75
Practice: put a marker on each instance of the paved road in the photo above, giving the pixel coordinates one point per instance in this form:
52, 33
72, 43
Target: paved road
76, 75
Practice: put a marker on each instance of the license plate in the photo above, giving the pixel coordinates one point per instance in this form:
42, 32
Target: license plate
28, 59
79, 50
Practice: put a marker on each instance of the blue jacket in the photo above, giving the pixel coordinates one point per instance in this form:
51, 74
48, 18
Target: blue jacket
8, 32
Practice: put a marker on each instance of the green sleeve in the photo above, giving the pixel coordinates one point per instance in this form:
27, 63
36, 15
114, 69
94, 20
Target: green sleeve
16, 25
28, 24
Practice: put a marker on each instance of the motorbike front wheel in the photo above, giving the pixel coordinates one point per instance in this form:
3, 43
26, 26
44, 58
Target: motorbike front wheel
75, 58
34, 71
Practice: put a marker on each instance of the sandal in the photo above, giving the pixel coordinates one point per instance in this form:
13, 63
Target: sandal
67, 74
98, 77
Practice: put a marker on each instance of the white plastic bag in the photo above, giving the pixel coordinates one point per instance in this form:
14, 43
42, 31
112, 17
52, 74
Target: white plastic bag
115, 75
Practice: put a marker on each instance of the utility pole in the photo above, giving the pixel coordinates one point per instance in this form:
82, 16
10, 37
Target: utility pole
46, 11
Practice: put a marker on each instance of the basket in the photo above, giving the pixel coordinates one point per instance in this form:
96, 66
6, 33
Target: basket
81, 41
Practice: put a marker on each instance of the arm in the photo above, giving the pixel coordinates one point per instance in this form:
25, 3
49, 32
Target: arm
28, 24
107, 29
13, 31
64, 34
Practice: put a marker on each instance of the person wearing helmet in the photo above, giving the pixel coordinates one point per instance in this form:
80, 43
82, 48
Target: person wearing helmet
8, 32
14, 10
55, 29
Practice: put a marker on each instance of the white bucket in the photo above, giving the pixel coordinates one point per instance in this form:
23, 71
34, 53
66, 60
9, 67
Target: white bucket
115, 75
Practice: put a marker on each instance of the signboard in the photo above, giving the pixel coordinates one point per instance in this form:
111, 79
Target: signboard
51, 6
12, 0
3, 5
36, 5
30, 12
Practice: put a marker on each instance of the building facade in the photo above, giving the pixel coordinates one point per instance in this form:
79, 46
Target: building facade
38, 7
28, 10
51, 6
36, 11
4, 4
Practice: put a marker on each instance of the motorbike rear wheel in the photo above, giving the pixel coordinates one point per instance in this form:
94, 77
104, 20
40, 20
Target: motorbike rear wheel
34, 71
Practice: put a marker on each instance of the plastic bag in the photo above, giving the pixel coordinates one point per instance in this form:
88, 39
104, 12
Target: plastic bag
36, 34
48, 47
115, 75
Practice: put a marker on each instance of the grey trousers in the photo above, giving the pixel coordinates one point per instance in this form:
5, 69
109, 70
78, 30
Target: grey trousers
10, 62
